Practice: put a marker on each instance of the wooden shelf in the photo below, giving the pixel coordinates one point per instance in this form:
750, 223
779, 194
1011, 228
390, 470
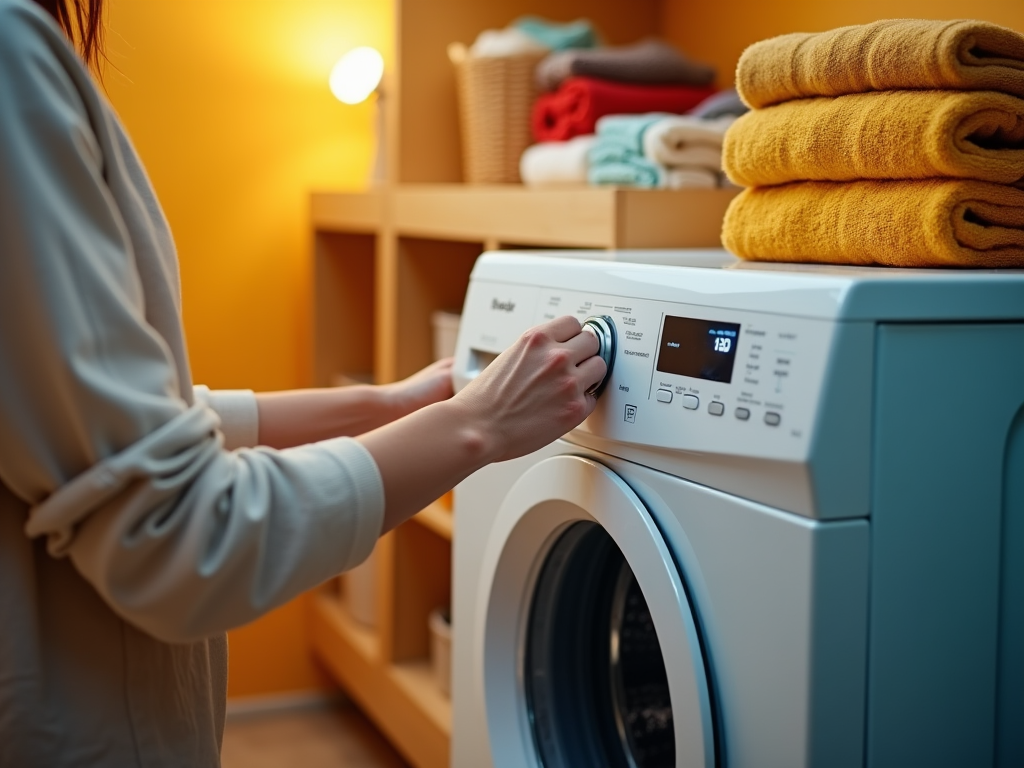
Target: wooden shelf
348, 211
402, 698
569, 217
416, 679
385, 259
437, 518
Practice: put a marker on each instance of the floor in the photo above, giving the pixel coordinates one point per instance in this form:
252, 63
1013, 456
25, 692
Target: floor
339, 737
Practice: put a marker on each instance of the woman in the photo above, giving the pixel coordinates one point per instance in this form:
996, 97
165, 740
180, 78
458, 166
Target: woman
137, 522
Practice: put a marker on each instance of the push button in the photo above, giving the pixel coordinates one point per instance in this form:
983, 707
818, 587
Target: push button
664, 395
716, 408
772, 419
691, 402
742, 414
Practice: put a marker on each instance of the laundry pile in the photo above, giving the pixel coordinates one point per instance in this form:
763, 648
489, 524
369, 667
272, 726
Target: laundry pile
657, 150
899, 142
532, 34
585, 85
615, 115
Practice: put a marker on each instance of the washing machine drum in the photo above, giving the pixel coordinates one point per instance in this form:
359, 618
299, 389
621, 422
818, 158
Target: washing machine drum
590, 652
596, 688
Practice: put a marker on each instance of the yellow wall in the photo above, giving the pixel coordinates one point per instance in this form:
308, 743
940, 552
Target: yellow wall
717, 32
227, 102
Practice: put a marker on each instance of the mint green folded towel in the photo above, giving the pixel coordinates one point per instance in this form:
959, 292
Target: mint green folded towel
635, 172
617, 155
558, 37
627, 130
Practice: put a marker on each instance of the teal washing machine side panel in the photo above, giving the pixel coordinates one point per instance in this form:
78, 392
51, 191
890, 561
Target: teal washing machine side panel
1010, 703
946, 400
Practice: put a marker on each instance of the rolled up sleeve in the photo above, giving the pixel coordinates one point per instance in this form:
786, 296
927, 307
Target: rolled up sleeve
238, 412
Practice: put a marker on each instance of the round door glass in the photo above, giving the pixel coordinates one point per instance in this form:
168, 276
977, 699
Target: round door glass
596, 688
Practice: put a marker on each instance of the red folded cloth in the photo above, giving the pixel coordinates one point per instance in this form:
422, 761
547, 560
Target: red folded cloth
574, 108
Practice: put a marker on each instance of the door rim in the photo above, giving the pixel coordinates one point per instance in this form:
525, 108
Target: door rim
548, 498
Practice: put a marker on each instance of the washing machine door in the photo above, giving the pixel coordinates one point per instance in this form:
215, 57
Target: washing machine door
589, 652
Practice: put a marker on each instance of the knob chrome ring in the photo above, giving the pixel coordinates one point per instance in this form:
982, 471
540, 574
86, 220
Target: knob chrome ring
603, 327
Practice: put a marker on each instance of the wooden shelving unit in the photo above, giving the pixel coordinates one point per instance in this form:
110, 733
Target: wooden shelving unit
387, 258
383, 262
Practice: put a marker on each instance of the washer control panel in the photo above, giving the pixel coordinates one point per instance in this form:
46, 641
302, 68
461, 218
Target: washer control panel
684, 377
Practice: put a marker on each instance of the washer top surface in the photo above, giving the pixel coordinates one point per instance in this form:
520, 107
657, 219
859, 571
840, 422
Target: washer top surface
715, 278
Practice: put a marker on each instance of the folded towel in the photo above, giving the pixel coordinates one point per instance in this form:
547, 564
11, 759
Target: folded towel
574, 109
649, 61
556, 36
929, 223
723, 103
888, 135
628, 130
617, 154
634, 171
609, 150
556, 162
686, 140
690, 178
496, 43
895, 54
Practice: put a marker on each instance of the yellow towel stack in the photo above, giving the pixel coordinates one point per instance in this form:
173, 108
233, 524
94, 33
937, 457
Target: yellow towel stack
893, 143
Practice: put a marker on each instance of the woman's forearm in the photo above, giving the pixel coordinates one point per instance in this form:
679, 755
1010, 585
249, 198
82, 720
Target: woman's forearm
426, 454
305, 416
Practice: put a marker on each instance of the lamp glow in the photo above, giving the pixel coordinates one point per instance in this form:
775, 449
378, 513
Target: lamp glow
356, 75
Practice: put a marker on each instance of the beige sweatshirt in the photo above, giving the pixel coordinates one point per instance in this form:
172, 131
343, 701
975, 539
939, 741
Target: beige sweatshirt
135, 527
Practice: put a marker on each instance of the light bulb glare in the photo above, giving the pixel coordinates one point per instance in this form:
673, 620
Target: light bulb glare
356, 75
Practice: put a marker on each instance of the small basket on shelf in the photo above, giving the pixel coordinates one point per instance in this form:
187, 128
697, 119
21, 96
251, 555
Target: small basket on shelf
496, 96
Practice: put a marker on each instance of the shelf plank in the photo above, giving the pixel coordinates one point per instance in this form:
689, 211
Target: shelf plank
348, 211
396, 698
416, 679
570, 216
671, 218
437, 518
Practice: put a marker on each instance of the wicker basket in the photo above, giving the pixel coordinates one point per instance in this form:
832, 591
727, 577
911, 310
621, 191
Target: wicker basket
496, 96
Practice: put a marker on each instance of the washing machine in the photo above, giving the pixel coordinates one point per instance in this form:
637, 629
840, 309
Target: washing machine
791, 534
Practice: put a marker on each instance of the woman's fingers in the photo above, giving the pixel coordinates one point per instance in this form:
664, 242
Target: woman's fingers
583, 345
563, 328
591, 371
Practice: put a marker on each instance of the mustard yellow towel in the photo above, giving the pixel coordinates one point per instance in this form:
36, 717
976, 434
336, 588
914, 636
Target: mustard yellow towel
886, 135
894, 54
931, 223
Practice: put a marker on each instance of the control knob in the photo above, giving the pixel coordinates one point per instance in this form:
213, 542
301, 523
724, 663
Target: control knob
603, 327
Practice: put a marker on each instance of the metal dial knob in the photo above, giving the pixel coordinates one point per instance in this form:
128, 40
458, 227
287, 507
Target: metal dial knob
603, 327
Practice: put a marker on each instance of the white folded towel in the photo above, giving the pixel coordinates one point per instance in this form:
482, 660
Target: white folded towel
556, 162
683, 140
689, 178
499, 43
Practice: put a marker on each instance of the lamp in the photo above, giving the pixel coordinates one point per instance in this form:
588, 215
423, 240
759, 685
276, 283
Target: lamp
355, 78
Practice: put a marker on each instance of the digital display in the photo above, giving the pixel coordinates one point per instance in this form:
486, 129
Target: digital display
700, 349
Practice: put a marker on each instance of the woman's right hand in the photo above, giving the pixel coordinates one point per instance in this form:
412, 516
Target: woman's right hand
537, 390
534, 392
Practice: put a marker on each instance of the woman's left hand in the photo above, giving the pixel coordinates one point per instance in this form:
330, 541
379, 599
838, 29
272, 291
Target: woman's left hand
430, 385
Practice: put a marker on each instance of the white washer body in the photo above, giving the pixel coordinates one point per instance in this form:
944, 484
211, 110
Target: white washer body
819, 507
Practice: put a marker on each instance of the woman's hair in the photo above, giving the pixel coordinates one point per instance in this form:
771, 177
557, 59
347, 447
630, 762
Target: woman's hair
81, 21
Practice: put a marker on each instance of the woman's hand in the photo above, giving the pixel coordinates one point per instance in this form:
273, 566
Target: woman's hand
534, 392
430, 385
537, 390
